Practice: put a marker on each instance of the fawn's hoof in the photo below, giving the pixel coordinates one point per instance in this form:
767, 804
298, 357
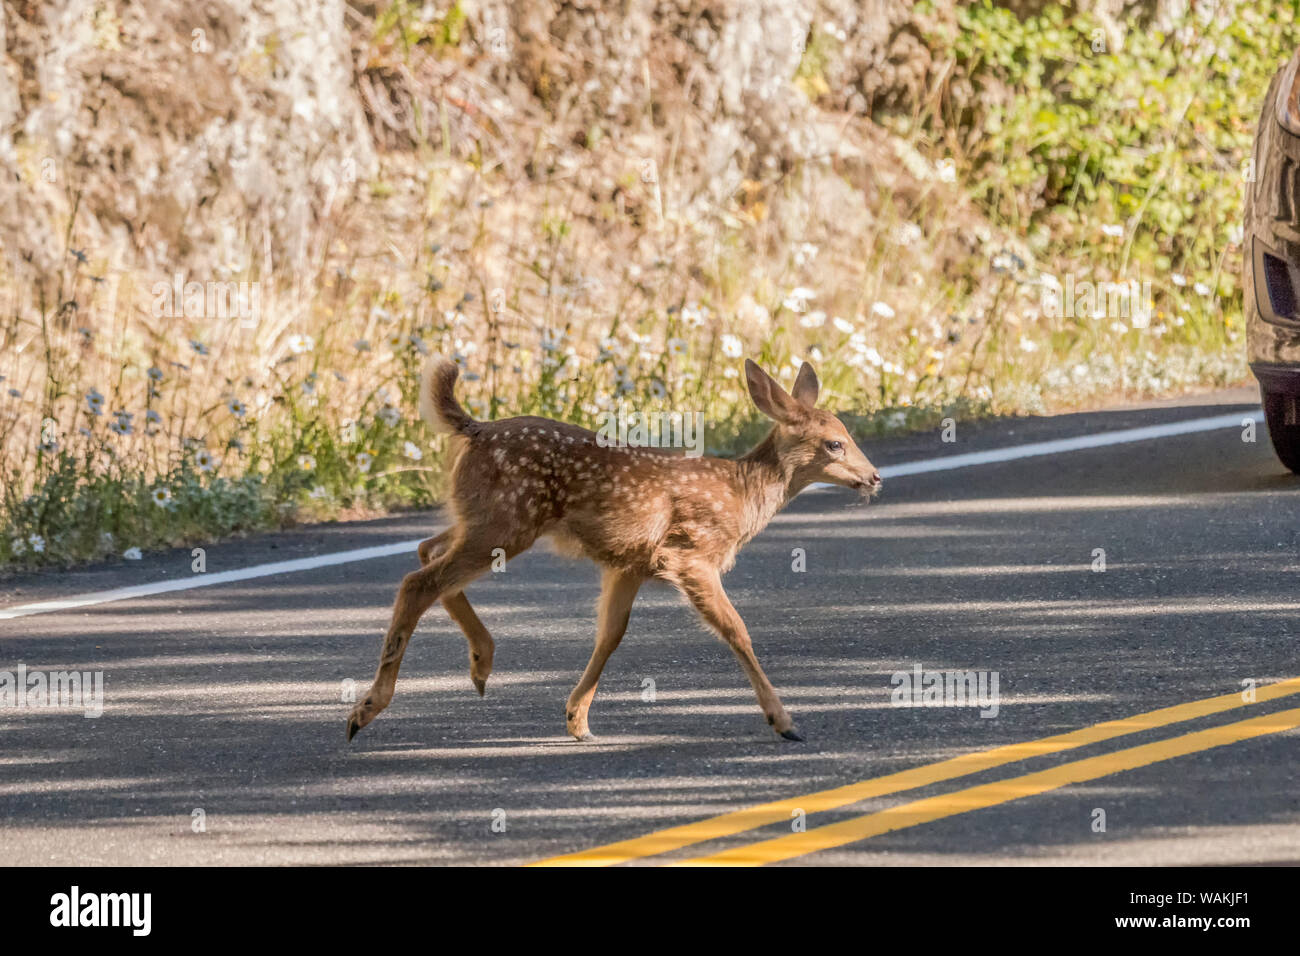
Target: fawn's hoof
360, 716
480, 685
791, 734
584, 737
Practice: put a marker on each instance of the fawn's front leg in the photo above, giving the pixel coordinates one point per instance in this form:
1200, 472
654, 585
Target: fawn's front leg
703, 588
617, 592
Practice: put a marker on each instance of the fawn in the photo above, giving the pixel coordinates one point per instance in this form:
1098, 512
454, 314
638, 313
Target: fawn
639, 513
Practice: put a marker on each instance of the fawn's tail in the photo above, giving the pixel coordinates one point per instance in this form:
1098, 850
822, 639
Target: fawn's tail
438, 405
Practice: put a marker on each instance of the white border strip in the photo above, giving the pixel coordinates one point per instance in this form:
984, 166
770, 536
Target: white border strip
946, 463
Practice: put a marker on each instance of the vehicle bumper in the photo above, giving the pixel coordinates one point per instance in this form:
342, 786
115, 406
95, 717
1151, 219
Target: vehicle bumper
1277, 379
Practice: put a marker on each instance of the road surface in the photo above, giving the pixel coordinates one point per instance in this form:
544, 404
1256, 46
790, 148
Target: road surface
222, 734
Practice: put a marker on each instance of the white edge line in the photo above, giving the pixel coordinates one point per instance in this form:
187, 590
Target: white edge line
207, 580
946, 463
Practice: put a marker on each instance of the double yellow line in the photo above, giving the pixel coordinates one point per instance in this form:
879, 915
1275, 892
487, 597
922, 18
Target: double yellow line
947, 805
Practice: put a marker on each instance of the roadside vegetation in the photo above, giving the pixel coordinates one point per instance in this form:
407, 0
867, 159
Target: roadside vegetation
1052, 160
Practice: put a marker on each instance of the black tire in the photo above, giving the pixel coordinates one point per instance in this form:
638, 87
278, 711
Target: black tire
1286, 438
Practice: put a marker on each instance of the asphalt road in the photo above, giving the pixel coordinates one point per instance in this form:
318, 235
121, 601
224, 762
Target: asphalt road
229, 699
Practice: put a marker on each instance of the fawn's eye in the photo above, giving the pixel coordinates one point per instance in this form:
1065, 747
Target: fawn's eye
834, 446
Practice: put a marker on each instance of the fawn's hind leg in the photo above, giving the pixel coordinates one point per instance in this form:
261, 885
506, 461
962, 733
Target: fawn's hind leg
617, 592
447, 574
481, 646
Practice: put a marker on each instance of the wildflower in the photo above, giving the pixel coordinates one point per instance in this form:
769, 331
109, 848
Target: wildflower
843, 325
730, 372
694, 315
18, 546
418, 344
798, 299
389, 415
477, 406
1201, 289
132, 554
318, 492
676, 346
119, 427
299, 343
658, 389
37, 543
412, 451
204, 460
552, 341
907, 233
1119, 328
95, 402
198, 347
361, 345
306, 462
151, 417
237, 408
610, 348
395, 341
161, 495
364, 461
1114, 231
731, 346
49, 446
804, 253
14, 393
155, 374
883, 310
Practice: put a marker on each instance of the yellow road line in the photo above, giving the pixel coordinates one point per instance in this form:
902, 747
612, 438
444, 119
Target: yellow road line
738, 821
992, 794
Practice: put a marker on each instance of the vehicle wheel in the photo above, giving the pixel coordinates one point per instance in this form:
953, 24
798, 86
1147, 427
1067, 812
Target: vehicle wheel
1286, 437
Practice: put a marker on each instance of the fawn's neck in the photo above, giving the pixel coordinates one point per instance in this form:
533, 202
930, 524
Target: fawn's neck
767, 482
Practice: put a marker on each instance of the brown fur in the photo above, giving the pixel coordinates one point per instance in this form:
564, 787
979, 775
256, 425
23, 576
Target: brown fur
639, 513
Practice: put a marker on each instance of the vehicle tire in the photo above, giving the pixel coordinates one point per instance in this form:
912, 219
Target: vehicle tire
1286, 438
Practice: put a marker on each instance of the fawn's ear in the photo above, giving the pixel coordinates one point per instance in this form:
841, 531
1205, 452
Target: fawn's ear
806, 386
772, 400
